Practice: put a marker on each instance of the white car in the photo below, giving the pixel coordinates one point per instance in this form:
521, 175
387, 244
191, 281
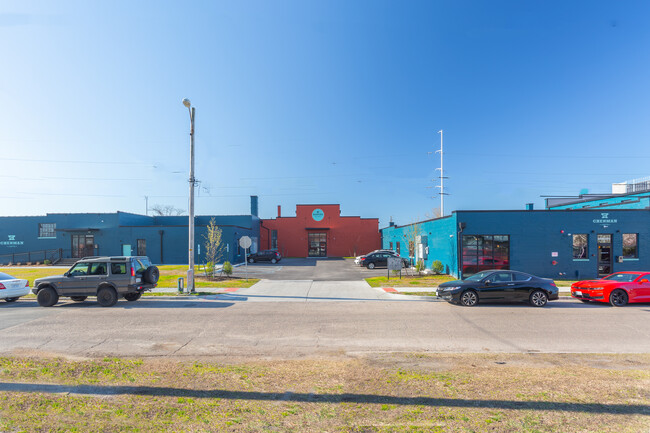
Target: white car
12, 288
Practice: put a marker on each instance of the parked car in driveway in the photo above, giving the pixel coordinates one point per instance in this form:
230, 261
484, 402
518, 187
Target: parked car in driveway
618, 289
265, 255
499, 285
107, 278
379, 259
357, 260
12, 288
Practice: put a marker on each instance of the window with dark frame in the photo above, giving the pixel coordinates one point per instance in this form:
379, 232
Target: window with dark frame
47, 230
397, 248
391, 245
630, 245
142, 247
580, 246
274, 239
485, 252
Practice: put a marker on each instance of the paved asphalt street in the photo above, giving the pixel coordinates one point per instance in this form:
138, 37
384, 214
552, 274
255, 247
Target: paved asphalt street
296, 320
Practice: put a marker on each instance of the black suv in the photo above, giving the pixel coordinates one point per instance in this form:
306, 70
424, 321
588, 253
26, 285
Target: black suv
108, 278
268, 255
380, 258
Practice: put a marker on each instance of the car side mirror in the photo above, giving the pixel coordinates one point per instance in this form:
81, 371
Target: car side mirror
645, 280
67, 274
488, 282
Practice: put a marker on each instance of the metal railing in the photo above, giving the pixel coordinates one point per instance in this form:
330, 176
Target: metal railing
32, 256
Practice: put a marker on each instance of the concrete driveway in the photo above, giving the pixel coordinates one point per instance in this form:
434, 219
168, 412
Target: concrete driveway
297, 280
325, 269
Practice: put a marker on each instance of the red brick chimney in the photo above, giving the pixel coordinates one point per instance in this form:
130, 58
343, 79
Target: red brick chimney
279, 211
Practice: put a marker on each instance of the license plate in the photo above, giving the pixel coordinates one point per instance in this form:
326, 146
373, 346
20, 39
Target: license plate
577, 293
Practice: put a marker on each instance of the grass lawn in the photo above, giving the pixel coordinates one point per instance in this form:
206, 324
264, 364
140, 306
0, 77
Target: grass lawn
505, 393
169, 275
406, 281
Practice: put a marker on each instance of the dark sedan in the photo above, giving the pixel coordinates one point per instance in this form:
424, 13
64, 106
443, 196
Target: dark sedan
379, 258
499, 285
266, 255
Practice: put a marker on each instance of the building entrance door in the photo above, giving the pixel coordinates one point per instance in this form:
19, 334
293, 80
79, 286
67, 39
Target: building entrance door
317, 244
604, 255
83, 245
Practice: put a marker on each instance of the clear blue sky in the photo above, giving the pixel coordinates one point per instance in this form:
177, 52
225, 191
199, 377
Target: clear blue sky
319, 102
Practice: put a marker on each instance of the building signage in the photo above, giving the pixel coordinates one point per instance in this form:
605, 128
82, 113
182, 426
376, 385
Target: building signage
318, 214
605, 219
11, 242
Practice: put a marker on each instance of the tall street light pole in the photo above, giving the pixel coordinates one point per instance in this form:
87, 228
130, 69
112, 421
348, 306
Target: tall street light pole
190, 270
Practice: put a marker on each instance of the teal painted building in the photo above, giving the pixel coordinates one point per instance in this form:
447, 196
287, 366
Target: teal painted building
560, 244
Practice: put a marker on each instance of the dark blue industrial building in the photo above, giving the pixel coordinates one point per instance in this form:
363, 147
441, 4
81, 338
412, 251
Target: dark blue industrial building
574, 238
163, 238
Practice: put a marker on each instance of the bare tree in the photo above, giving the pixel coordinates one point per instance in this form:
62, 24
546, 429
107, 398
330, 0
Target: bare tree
411, 234
433, 213
166, 210
214, 247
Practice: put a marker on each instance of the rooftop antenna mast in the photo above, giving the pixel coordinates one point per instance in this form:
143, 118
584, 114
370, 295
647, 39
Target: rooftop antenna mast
442, 179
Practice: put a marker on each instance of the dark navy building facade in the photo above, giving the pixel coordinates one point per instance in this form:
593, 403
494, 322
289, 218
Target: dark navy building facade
163, 238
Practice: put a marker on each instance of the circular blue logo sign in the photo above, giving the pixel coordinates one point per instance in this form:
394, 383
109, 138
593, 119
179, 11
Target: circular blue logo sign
318, 214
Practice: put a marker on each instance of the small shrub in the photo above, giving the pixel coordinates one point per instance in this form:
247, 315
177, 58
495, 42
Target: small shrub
437, 267
209, 268
419, 266
227, 268
47, 262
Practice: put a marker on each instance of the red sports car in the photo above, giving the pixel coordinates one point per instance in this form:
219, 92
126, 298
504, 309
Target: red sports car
618, 289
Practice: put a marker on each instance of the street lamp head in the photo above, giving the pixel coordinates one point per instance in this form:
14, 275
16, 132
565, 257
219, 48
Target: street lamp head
187, 102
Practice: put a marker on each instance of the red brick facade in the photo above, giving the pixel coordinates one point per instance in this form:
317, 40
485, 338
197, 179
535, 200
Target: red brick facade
320, 230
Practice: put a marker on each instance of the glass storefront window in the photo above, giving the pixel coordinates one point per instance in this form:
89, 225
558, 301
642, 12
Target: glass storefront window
484, 252
630, 245
580, 244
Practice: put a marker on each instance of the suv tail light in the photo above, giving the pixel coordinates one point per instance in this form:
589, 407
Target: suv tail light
363, 258
132, 271
27, 283
2, 286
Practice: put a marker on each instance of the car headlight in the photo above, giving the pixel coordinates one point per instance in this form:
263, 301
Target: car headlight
450, 288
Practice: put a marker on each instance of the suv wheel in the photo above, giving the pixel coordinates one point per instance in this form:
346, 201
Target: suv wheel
47, 297
371, 266
132, 297
251, 260
106, 296
151, 275
274, 261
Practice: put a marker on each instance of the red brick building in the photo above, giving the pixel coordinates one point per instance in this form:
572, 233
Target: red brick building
319, 230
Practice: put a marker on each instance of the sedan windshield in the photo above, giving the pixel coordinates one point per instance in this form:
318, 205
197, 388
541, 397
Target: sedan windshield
478, 276
625, 278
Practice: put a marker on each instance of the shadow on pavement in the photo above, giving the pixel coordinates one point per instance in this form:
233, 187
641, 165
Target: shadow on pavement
98, 390
153, 303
